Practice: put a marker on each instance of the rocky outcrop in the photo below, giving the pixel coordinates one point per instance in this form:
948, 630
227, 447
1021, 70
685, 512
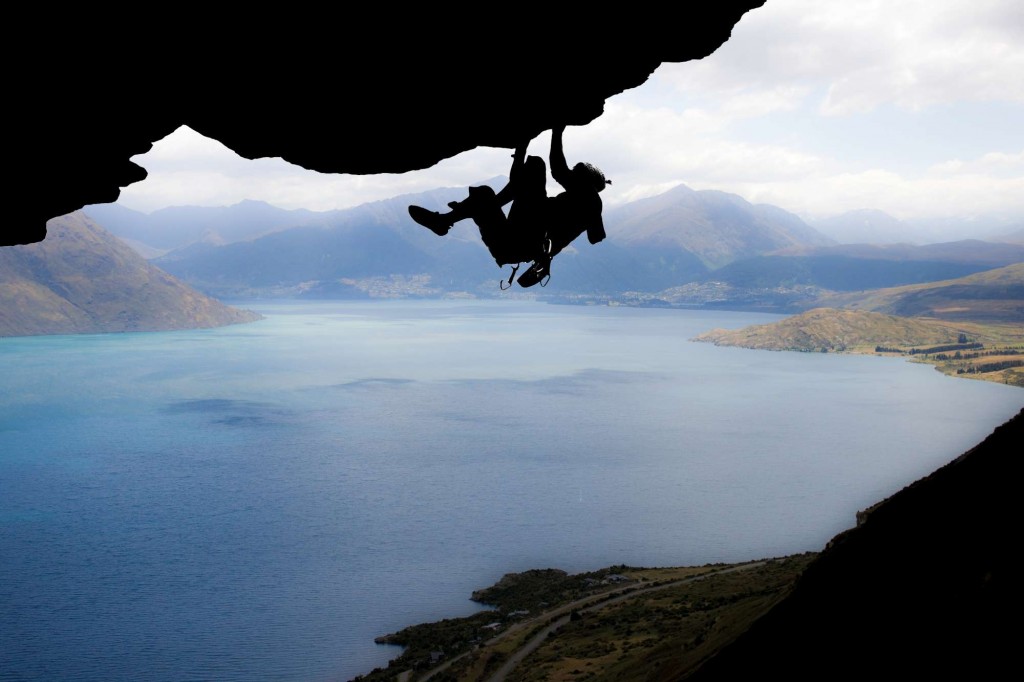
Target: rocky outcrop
925, 587
380, 90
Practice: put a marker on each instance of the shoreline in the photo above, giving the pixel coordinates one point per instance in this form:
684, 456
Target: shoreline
490, 644
992, 351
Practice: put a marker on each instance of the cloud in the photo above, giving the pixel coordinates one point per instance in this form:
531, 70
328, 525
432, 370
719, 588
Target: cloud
903, 197
912, 107
863, 53
647, 151
994, 163
707, 157
189, 169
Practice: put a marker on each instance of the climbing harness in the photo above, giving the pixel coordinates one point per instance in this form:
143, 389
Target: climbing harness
502, 285
546, 246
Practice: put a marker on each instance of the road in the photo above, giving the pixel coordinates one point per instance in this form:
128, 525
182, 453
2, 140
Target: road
587, 606
563, 614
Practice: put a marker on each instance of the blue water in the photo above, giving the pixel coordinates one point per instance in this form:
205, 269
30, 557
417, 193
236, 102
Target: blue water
259, 502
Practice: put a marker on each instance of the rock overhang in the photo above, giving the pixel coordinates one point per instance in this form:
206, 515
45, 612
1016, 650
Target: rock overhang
383, 91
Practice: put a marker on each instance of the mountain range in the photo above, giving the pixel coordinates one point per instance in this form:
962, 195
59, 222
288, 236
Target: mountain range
719, 228
81, 279
877, 227
681, 238
995, 295
682, 248
154, 234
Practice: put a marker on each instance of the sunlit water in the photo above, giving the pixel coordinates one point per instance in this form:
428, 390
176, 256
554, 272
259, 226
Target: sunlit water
259, 502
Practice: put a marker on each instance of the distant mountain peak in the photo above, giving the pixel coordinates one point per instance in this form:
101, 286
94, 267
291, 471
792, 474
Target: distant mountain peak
718, 227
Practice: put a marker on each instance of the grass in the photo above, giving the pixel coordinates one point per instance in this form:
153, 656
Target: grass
827, 330
661, 634
1002, 344
620, 631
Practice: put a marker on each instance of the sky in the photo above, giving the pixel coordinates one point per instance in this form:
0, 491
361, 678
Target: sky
912, 107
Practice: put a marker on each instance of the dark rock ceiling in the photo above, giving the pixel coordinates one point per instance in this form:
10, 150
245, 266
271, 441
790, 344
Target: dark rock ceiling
378, 91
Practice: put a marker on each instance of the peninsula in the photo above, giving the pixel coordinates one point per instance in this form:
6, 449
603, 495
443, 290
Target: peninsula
991, 351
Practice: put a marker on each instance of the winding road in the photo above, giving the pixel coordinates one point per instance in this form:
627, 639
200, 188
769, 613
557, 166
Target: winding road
563, 614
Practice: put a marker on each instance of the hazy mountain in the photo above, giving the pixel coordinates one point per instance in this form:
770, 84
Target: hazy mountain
994, 295
967, 251
177, 226
379, 240
81, 279
871, 226
989, 228
374, 240
717, 227
836, 272
856, 267
1012, 237
654, 244
867, 226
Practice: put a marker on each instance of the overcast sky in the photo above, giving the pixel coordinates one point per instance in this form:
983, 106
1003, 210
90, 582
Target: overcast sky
914, 107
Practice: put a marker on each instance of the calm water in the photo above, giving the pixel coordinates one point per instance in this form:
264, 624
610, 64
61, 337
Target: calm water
259, 502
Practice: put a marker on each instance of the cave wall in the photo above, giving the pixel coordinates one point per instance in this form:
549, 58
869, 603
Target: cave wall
380, 90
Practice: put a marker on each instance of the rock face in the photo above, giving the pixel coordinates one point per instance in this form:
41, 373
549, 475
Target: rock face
81, 279
925, 587
381, 90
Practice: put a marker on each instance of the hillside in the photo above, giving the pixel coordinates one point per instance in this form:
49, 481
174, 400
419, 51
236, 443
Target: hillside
972, 350
991, 296
924, 587
836, 272
826, 329
81, 279
794, 285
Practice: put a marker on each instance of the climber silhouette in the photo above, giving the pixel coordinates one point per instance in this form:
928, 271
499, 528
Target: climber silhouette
537, 226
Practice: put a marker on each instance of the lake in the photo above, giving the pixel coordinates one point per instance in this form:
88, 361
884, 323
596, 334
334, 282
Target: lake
258, 502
